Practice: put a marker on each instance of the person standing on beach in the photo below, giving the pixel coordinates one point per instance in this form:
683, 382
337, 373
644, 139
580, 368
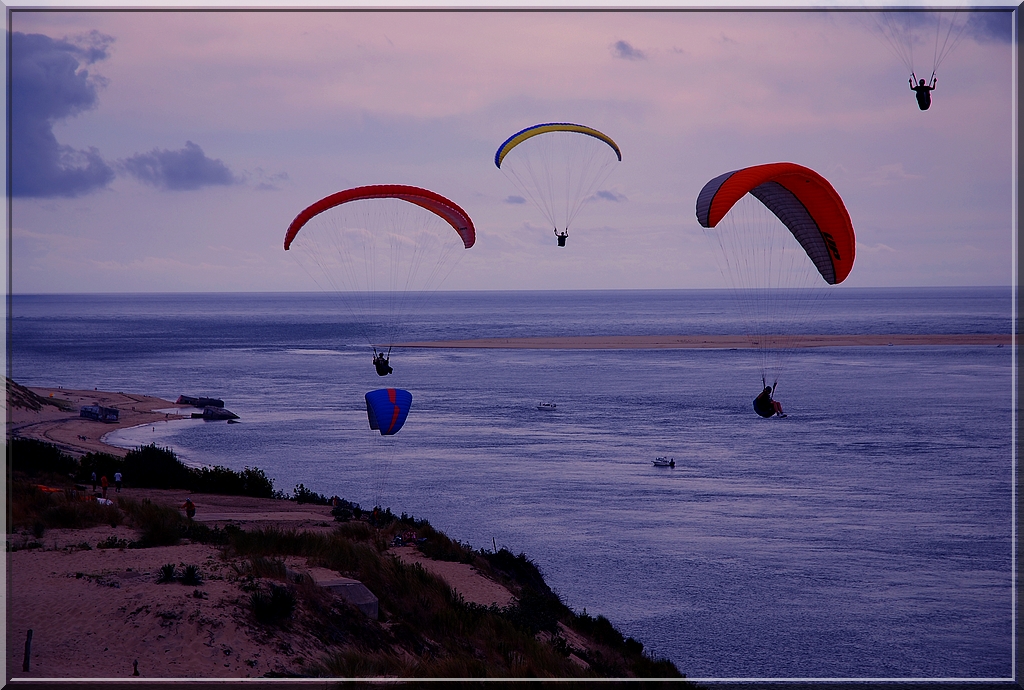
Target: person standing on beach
117, 482
94, 481
190, 508
104, 484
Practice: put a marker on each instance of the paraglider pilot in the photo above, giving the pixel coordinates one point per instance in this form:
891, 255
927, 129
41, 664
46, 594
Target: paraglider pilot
923, 91
380, 361
561, 236
765, 406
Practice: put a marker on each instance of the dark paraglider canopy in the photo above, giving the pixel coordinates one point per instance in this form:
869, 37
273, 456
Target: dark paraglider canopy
802, 199
435, 203
382, 251
782, 236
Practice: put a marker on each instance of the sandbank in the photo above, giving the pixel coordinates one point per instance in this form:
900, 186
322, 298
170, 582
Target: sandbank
664, 342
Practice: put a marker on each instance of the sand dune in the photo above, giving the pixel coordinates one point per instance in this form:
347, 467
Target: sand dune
94, 612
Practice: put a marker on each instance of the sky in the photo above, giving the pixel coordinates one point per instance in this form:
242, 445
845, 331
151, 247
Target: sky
168, 151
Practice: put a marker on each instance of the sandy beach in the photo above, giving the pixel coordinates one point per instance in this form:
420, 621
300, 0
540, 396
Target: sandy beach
77, 435
660, 342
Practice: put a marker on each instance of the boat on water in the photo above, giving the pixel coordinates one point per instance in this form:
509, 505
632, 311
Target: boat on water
664, 462
546, 406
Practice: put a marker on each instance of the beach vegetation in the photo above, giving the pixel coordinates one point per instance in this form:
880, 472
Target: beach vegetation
426, 629
158, 525
20, 396
273, 606
102, 464
36, 459
168, 573
32, 507
113, 542
153, 467
191, 575
148, 467
300, 494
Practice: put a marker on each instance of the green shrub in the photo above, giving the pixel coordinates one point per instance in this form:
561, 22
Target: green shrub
112, 542
300, 494
80, 514
167, 573
157, 468
275, 607
352, 663
191, 575
159, 525
221, 480
267, 567
519, 569
36, 457
103, 464
441, 547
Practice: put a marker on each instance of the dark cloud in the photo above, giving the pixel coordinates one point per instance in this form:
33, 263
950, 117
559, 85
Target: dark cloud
924, 27
610, 196
186, 169
515, 200
48, 84
622, 49
991, 26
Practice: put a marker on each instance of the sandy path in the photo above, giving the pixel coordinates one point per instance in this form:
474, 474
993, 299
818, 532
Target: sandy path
657, 342
462, 577
79, 435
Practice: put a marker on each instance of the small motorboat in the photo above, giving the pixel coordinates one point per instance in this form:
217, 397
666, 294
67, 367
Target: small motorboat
546, 406
664, 462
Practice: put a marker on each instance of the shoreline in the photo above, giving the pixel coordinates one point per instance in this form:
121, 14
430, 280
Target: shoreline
78, 435
664, 342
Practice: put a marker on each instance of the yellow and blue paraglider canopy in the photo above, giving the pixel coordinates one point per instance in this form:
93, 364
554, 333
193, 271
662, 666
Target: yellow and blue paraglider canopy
524, 134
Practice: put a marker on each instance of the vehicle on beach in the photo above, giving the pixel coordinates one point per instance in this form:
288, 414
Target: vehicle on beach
546, 406
664, 462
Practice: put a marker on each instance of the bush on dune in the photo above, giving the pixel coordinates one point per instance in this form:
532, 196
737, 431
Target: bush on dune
103, 464
35, 458
158, 525
30, 506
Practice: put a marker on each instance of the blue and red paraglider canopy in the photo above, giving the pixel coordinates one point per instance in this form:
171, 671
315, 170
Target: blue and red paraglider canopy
387, 408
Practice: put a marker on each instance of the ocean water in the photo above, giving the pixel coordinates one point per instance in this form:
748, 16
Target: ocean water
867, 535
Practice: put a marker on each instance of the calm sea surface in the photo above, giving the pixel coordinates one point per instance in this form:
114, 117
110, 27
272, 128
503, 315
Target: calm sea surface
869, 534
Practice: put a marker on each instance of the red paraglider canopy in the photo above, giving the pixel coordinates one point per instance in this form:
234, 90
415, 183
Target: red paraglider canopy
424, 198
802, 199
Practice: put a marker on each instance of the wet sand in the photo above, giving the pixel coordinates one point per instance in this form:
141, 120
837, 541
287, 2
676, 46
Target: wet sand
659, 342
